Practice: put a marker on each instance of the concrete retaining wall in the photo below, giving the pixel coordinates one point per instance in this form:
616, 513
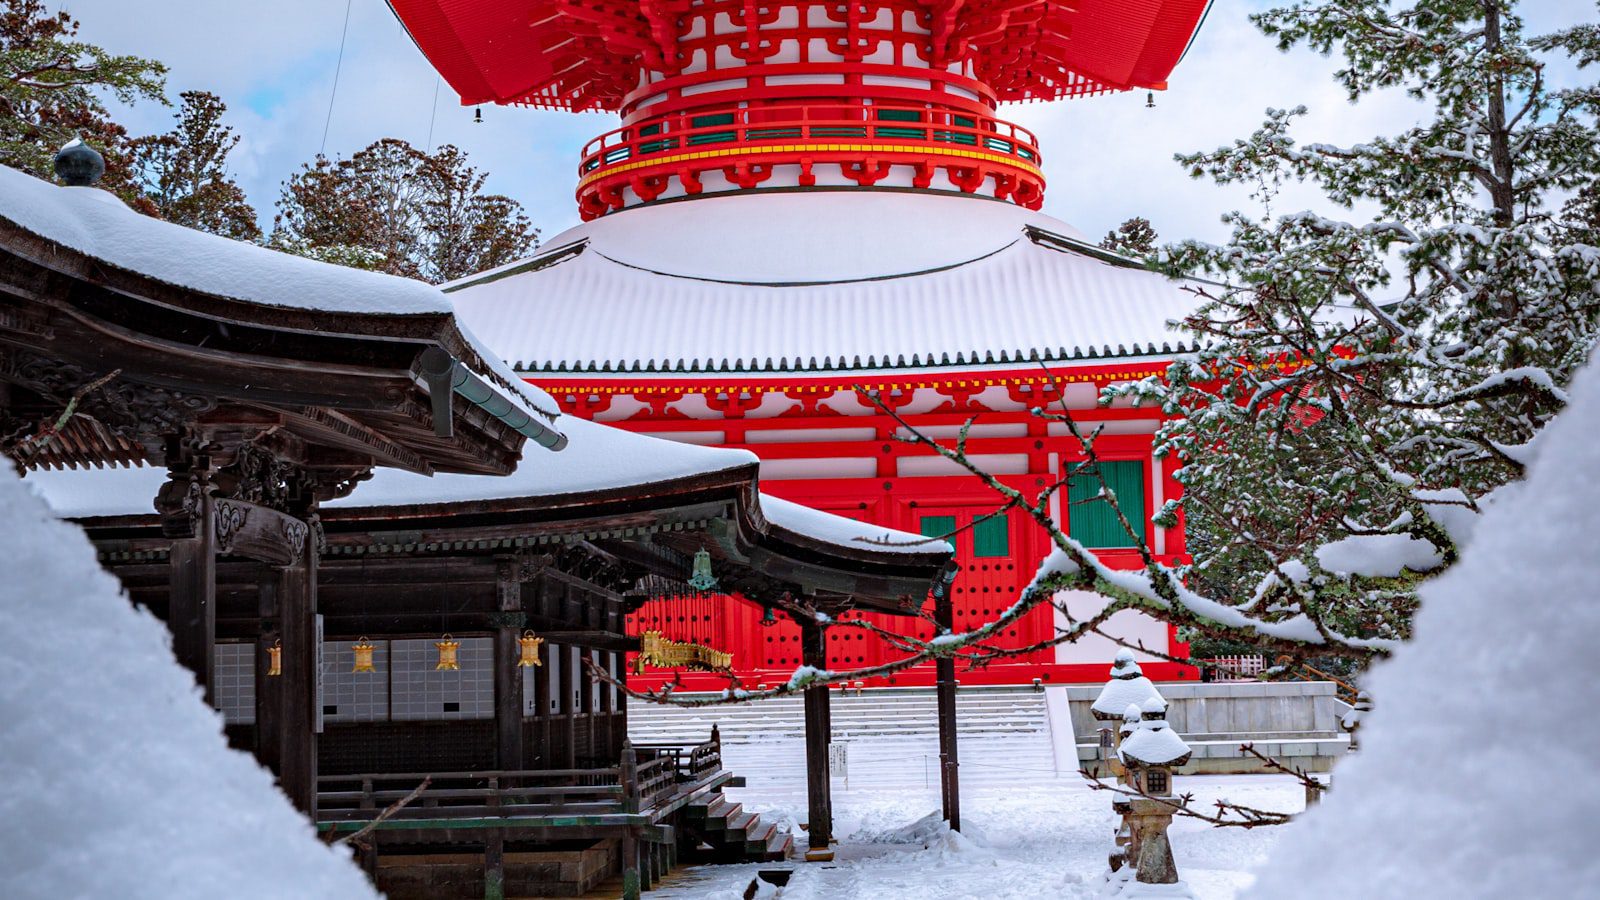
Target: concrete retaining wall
1296, 723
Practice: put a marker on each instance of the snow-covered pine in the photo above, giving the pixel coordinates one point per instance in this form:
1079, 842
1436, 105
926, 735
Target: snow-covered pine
1408, 344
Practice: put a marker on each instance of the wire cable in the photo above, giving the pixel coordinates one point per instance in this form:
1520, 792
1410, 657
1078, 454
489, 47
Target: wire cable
434, 115
337, 69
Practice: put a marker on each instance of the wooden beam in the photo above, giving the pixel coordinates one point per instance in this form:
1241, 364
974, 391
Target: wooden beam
297, 749
542, 758
192, 607
494, 865
568, 725
269, 688
819, 788
630, 865
944, 669
508, 694
258, 532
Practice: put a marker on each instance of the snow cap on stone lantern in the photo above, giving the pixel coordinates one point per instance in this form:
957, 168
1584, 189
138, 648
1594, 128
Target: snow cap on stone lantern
1130, 720
1153, 743
1127, 685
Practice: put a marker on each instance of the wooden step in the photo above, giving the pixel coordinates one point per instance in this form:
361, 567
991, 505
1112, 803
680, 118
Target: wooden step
741, 823
779, 846
756, 839
718, 816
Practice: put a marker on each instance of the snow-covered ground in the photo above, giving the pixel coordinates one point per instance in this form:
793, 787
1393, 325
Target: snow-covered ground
117, 779
1028, 831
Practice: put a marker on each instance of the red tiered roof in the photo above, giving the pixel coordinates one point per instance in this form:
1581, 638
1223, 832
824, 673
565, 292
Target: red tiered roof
587, 54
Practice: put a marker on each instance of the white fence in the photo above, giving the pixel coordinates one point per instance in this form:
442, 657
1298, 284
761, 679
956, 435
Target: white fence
1230, 669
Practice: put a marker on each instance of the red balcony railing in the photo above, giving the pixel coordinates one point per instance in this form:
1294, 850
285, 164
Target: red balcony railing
816, 123
823, 132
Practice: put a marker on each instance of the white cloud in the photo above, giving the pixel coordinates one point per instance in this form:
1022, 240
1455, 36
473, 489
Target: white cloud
1106, 158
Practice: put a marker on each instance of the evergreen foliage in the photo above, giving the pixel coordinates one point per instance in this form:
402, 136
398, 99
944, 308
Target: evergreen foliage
50, 89
184, 173
393, 208
1382, 368
1135, 238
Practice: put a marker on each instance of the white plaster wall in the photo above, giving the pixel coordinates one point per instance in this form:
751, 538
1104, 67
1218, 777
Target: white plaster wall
1129, 625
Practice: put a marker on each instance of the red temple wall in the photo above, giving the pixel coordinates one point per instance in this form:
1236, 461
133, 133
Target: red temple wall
823, 448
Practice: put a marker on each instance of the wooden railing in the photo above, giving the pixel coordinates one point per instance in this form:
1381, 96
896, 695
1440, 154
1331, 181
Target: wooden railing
816, 123
647, 776
471, 794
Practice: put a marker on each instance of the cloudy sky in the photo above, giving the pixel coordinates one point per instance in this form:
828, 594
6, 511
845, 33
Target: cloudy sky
1106, 158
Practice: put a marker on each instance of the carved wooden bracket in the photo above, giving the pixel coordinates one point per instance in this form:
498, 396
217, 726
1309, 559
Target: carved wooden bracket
258, 532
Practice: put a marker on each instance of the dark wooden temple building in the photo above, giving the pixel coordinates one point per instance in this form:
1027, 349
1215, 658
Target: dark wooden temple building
295, 466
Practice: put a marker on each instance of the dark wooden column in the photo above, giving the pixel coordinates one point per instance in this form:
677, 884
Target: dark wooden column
819, 786
541, 704
192, 597
269, 698
508, 694
944, 669
494, 865
568, 723
297, 750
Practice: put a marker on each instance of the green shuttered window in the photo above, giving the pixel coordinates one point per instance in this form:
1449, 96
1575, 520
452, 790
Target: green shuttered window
937, 526
1093, 523
991, 537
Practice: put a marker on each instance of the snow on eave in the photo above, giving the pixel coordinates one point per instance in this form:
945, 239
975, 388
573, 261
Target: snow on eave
841, 532
96, 224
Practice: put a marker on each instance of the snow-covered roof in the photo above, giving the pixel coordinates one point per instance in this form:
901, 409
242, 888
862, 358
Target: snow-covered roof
820, 281
597, 458
96, 223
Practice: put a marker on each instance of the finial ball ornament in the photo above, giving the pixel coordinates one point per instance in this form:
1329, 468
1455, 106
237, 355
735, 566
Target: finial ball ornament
79, 165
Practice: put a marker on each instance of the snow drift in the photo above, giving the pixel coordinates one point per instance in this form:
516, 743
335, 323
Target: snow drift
1497, 686
118, 782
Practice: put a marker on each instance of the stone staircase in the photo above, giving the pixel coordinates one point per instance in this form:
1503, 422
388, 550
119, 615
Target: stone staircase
891, 736
729, 833
874, 712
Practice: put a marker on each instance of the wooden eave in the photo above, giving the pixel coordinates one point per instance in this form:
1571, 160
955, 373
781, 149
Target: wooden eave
718, 511
346, 382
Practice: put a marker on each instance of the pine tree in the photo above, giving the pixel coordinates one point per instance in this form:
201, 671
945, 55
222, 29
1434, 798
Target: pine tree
1135, 238
396, 209
1344, 397
50, 90
471, 231
184, 173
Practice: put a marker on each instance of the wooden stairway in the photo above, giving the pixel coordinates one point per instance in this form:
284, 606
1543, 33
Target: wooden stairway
733, 833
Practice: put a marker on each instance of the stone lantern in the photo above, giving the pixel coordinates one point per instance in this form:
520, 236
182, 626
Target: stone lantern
1121, 804
1127, 686
1150, 753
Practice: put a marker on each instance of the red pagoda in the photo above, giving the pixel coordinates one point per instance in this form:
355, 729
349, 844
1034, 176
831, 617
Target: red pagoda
805, 201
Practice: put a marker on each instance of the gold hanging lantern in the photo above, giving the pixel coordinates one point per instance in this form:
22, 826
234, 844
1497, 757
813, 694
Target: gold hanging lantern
275, 658
363, 651
530, 650
447, 648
